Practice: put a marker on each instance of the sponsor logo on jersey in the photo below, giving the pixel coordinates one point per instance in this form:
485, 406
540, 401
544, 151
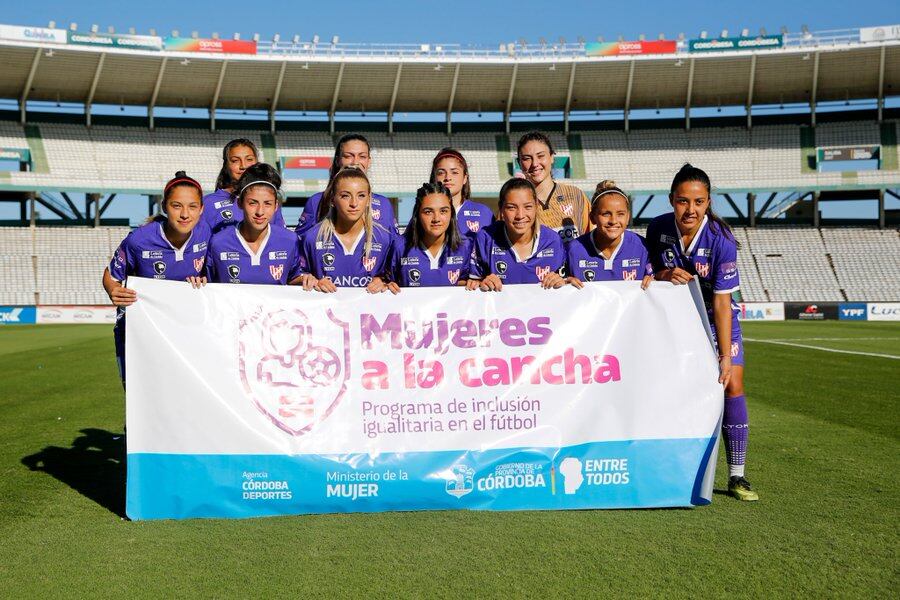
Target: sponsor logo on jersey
414, 275
631, 262
222, 203
497, 250
234, 271
474, 226
704, 251
159, 267
409, 260
369, 263
276, 271
198, 247
668, 239
229, 256
545, 253
278, 255
629, 275
454, 260
702, 269
541, 272
198, 263
589, 275
152, 254
453, 276
501, 267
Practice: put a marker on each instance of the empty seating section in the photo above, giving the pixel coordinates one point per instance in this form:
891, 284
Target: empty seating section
115, 158
62, 265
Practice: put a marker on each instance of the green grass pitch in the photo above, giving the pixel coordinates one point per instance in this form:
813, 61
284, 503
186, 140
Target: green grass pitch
823, 455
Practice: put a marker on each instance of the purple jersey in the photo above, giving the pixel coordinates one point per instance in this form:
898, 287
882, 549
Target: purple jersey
472, 217
220, 209
230, 260
493, 253
146, 252
629, 261
416, 267
382, 212
348, 267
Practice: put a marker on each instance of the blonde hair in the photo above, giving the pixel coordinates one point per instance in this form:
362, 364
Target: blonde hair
608, 186
327, 214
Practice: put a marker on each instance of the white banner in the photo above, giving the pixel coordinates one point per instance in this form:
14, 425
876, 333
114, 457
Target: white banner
47, 313
247, 400
761, 311
879, 34
33, 34
883, 311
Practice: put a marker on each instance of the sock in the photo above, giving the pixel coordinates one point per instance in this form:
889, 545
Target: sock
735, 430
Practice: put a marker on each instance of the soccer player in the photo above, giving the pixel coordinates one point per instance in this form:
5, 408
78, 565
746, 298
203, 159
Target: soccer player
432, 252
610, 252
352, 150
693, 241
517, 248
347, 247
220, 207
563, 207
449, 167
254, 250
173, 248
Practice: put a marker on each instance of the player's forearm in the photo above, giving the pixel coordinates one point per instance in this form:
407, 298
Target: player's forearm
722, 319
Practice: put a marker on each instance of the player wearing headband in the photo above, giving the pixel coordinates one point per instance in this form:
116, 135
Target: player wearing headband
562, 207
220, 207
610, 252
432, 252
171, 247
352, 150
517, 248
347, 247
449, 167
693, 241
254, 250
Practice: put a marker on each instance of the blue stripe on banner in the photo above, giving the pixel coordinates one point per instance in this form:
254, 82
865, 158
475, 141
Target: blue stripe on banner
623, 474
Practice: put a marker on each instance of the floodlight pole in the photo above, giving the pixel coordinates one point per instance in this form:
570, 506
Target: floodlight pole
94, 82
275, 96
509, 97
628, 93
881, 87
23, 98
750, 92
156, 86
452, 98
569, 98
394, 99
690, 91
815, 88
215, 100
334, 99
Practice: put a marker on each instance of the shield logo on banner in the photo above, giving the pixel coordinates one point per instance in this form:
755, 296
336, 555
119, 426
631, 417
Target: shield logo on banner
369, 263
541, 272
276, 271
453, 276
294, 368
198, 263
473, 226
702, 269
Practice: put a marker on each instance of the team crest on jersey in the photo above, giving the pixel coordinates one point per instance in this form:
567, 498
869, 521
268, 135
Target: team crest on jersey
368, 263
474, 226
159, 267
589, 275
735, 349
234, 271
501, 267
669, 257
276, 271
629, 275
567, 209
453, 276
198, 263
541, 272
376, 214
702, 269
294, 374
414, 275
328, 259
227, 214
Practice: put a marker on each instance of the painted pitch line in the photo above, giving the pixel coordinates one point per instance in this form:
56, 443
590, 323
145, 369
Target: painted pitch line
831, 339
823, 349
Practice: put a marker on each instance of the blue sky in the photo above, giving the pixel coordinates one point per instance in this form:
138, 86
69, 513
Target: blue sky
462, 21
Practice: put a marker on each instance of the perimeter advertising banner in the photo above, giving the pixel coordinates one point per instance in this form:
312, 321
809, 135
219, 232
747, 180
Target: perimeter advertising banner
251, 400
811, 311
110, 40
33, 34
17, 315
629, 48
49, 313
879, 34
179, 44
761, 311
736, 43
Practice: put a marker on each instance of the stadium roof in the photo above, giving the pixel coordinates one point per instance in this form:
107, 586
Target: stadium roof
339, 80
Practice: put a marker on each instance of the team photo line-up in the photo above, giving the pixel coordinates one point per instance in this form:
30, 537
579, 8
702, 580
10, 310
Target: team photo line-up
547, 233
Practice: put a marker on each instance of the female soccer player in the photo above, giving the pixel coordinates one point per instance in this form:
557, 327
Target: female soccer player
516, 249
347, 248
610, 252
432, 252
450, 168
563, 207
693, 240
220, 207
352, 150
173, 248
254, 250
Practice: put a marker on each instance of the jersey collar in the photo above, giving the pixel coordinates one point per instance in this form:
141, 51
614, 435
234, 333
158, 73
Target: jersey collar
179, 252
254, 257
690, 249
535, 244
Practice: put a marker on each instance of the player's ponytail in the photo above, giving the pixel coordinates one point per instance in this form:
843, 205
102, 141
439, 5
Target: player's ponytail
225, 180
690, 173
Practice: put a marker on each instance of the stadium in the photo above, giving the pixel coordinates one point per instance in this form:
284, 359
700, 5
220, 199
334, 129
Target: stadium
97, 121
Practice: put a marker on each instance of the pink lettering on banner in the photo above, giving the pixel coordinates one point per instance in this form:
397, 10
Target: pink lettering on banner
568, 368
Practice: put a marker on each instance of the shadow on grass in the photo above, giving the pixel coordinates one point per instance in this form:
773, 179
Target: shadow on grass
94, 466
